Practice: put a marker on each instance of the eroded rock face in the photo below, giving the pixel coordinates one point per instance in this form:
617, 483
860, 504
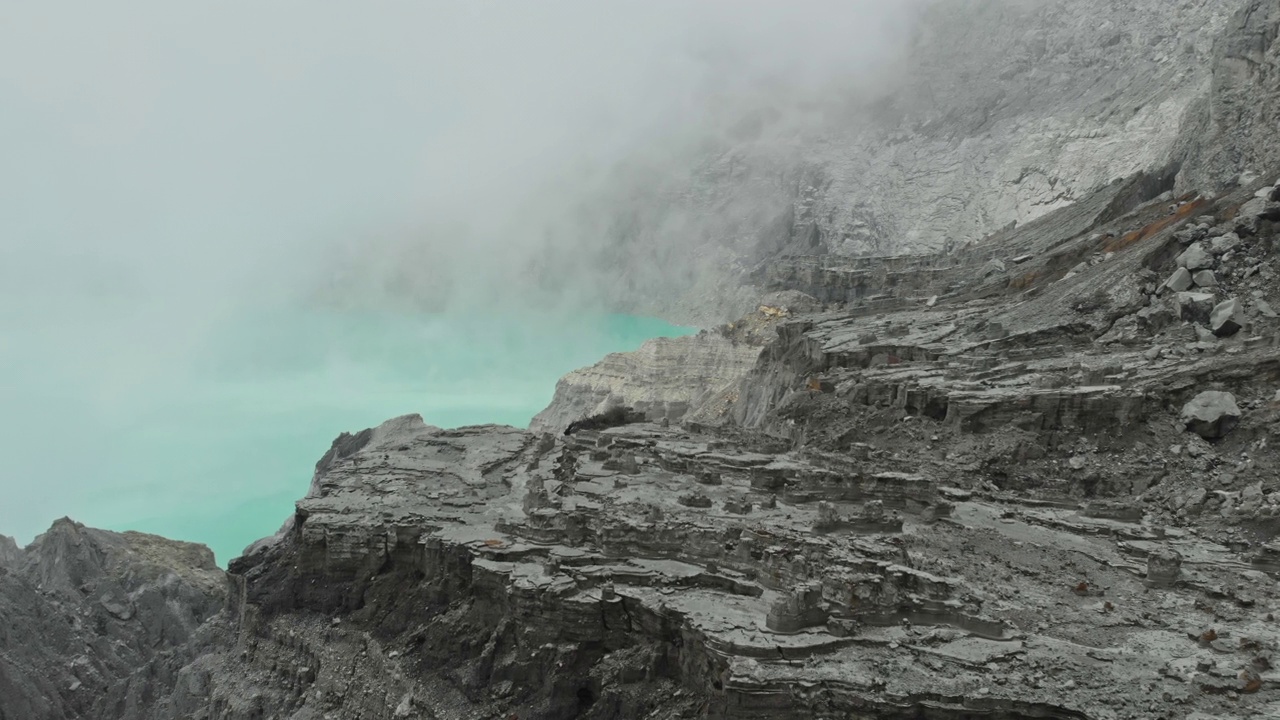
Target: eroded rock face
652, 379
1227, 318
670, 378
1233, 132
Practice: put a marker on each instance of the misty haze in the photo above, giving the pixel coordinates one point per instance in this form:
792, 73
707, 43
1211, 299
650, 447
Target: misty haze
616, 359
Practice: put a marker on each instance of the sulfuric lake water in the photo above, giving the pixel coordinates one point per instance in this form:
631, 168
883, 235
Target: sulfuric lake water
211, 438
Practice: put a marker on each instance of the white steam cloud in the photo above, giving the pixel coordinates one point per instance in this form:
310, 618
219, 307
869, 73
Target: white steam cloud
170, 165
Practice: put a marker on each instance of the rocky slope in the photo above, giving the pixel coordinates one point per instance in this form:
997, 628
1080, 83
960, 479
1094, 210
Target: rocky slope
1006, 112
998, 112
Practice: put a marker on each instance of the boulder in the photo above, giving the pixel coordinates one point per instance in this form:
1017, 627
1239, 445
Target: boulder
1154, 318
1264, 308
1205, 279
1164, 567
116, 604
1224, 244
1227, 318
1180, 281
1186, 236
1193, 306
1196, 257
1252, 213
1211, 414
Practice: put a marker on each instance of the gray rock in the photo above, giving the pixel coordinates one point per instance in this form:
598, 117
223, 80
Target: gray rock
1224, 244
1127, 329
1196, 257
1164, 567
1205, 279
1186, 236
1264, 308
1179, 281
1211, 414
1251, 215
118, 606
1194, 306
654, 379
1227, 318
1154, 318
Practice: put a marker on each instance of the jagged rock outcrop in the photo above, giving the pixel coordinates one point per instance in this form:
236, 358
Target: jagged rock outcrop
9, 552
95, 624
665, 378
669, 378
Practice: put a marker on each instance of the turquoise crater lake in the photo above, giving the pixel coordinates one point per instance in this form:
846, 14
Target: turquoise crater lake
215, 443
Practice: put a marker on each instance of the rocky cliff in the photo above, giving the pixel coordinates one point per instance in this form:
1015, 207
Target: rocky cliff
671, 378
1030, 477
1046, 490
1004, 111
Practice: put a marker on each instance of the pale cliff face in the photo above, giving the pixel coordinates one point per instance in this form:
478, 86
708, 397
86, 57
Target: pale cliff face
998, 113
